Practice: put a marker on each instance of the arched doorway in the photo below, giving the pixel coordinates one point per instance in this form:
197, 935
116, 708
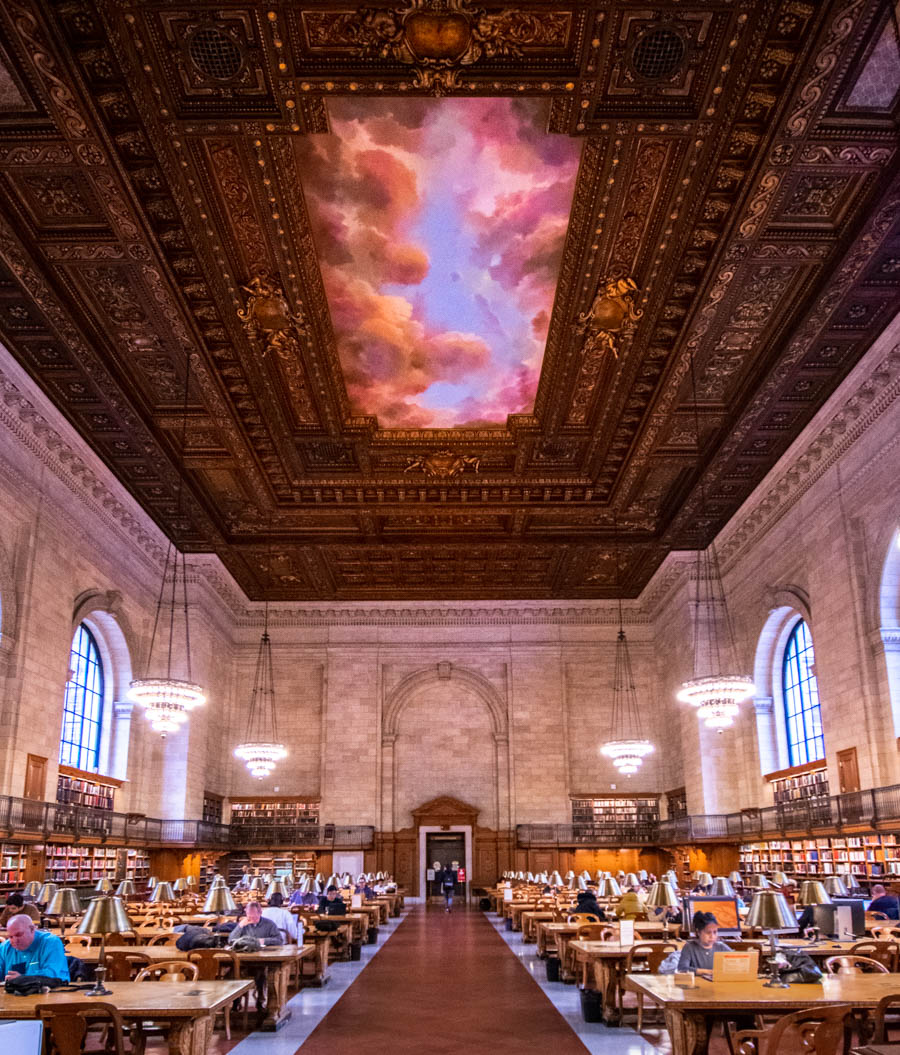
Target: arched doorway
445, 826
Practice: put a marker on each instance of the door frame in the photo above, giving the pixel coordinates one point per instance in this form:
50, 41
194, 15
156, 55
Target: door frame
424, 865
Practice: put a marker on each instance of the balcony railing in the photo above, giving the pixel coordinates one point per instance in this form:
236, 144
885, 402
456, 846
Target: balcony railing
52, 820
877, 807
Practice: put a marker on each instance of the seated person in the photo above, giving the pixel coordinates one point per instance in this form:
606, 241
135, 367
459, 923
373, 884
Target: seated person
587, 902
629, 906
882, 901
331, 904
697, 953
305, 899
31, 951
15, 905
290, 926
253, 925
363, 888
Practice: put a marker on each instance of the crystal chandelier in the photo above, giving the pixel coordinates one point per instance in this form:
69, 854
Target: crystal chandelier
626, 747
261, 750
169, 700
715, 689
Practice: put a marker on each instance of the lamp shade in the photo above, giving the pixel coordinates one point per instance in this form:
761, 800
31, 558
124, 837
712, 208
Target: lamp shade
769, 910
812, 892
46, 892
304, 885
151, 882
179, 885
735, 877
276, 887
661, 895
836, 886
671, 879
190, 880
570, 874
65, 902
219, 899
586, 876
162, 892
779, 878
631, 880
581, 883
104, 886
125, 888
218, 880
758, 882
850, 880
609, 888
105, 915
256, 883
696, 875
722, 887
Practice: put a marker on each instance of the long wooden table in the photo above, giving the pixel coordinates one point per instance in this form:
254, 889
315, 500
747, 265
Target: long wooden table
688, 1012
189, 1008
279, 959
548, 933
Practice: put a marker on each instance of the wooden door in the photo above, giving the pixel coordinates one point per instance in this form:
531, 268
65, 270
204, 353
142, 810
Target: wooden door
35, 778
848, 770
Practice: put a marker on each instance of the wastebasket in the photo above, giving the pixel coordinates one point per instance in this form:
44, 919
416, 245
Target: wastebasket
591, 1005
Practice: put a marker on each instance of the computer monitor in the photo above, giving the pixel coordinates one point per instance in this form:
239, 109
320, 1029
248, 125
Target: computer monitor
725, 909
23, 1036
826, 917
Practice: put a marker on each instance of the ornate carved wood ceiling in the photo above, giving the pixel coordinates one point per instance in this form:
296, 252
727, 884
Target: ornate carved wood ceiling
739, 163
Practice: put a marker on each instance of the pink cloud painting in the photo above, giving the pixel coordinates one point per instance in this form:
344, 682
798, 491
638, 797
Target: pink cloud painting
439, 226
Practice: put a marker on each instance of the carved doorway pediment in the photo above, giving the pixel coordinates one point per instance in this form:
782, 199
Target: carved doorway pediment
445, 810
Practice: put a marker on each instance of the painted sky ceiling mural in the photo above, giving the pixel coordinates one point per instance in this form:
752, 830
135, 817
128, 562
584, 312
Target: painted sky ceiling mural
439, 226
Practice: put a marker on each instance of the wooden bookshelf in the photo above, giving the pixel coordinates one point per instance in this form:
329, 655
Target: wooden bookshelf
868, 857
262, 812
77, 787
13, 862
676, 803
212, 807
81, 865
805, 786
613, 813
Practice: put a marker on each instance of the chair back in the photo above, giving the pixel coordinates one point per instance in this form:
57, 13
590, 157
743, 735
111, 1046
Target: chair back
649, 955
889, 931
594, 932
582, 917
66, 1025
169, 971
79, 941
816, 1031
213, 964
884, 1004
854, 965
121, 966
885, 952
164, 939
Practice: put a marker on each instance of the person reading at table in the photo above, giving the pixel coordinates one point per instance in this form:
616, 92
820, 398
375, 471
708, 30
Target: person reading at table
331, 904
587, 902
32, 951
15, 905
884, 902
629, 906
253, 925
304, 900
697, 953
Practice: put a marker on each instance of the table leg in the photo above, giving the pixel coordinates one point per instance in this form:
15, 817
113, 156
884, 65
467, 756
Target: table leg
276, 997
609, 987
689, 1032
189, 1036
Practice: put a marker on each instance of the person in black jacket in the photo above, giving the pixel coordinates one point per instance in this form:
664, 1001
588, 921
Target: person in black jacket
448, 886
331, 904
587, 902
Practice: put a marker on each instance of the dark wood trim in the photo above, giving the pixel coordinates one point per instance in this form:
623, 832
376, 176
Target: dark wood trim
796, 771
97, 778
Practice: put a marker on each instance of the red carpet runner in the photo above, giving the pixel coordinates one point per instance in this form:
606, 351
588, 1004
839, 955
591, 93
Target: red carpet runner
443, 984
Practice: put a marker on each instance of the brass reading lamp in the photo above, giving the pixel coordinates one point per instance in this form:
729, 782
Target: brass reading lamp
770, 912
276, 887
125, 888
45, 894
162, 894
256, 884
722, 887
190, 880
105, 915
218, 880
219, 900
151, 882
631, 880
735, 878
758, 882
179, 886
661, 895
812, 892
779, 878
31, 889
104, 886
609, 888
850, 880
836, 887
65, 902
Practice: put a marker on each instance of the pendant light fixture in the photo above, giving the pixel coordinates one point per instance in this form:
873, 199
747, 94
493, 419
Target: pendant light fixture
627, 747
169, 700
261, 750
715, 690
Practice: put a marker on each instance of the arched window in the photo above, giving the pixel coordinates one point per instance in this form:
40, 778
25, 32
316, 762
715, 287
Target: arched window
79, 744
802, 713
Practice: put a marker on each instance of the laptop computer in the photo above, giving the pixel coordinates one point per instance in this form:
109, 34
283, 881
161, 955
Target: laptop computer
23, 1036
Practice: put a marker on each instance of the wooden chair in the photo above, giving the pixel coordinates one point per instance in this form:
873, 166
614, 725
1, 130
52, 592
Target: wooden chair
121, 966
594, 932
169, 971
889, 931
214, 964
885, 952
644, 958
79, 941
66, 1025
164, 939
880, 1018
819, 1030
582, 917
854, 965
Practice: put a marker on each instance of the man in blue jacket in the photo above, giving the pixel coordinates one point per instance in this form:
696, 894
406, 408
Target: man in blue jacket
31, 951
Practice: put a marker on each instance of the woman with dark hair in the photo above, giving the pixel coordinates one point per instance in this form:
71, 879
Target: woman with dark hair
697, 953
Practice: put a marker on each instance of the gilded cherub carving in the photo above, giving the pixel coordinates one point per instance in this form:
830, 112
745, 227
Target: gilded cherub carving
268, 318
612, 314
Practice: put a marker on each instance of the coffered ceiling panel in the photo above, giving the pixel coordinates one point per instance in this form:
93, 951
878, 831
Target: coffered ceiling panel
461, 301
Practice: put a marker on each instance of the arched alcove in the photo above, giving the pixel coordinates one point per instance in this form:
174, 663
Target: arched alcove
889, 623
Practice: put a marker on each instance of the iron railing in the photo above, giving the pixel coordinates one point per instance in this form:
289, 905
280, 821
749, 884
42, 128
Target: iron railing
53, 820
876, 808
